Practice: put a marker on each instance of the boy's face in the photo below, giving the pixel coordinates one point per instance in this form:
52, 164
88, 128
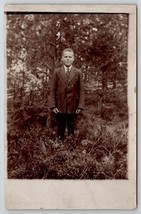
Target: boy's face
67, 58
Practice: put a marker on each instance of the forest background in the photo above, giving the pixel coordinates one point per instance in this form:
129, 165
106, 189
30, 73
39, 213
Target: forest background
34, 44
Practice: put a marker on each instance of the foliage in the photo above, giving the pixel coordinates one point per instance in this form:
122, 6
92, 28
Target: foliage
34, 45
97, 151
35, 42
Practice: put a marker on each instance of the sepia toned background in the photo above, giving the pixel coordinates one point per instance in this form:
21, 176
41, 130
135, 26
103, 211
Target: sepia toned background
34, 43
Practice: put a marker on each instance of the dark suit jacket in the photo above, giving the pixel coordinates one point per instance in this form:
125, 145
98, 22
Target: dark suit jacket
67, 93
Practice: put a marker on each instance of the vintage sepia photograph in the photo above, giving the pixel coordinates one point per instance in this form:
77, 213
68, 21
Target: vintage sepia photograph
68, 114
61, 123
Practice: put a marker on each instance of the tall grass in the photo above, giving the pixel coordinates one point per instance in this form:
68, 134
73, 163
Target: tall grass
98, 150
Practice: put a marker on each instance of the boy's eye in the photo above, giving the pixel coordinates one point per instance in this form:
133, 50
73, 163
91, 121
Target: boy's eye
70, 57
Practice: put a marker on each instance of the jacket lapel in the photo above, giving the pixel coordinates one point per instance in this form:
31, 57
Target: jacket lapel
72, 74
64, 76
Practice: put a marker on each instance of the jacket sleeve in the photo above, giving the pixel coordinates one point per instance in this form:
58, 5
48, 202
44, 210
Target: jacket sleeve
52, 102
81, 92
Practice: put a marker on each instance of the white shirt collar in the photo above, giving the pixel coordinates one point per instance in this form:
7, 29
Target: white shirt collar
66, 68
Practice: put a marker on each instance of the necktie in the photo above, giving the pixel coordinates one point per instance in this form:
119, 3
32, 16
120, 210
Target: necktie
68, 72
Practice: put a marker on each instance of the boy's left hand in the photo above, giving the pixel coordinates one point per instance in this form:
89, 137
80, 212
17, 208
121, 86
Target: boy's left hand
78, 111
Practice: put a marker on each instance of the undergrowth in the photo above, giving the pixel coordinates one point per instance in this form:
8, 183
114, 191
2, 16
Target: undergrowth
98, 150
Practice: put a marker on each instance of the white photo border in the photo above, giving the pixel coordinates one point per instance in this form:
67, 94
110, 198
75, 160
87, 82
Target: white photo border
84, 194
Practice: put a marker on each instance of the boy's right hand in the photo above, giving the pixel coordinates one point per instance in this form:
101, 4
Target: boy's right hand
55, 110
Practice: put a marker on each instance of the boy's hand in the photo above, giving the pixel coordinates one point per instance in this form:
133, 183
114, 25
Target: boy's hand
55, 110
77, 111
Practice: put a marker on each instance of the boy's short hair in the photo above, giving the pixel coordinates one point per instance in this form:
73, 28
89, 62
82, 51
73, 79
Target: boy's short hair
67, 49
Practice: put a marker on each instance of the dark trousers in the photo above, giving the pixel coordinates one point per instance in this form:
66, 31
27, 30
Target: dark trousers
63, 121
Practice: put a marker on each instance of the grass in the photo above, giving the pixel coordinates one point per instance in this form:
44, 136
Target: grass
97, 151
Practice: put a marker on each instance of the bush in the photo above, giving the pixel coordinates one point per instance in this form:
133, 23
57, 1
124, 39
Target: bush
98, 149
